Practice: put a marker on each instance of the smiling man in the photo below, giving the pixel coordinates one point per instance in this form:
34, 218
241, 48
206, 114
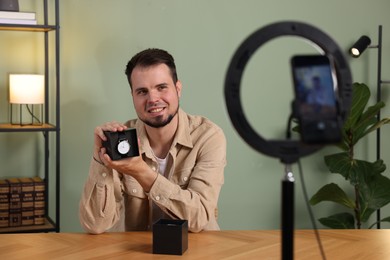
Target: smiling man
180, 170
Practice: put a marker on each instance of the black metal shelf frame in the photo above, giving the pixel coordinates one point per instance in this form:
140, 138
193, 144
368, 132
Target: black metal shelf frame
47, 128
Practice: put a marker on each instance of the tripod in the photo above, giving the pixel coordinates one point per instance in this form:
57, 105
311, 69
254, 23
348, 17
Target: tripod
288, 214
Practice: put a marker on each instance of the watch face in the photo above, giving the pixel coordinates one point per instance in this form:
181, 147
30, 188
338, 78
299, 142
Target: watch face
123, 146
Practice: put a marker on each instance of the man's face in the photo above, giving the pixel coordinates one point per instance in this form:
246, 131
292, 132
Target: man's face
155, 96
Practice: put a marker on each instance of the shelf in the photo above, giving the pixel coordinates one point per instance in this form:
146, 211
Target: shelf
47, 227
50, 130
27, 27
26, 128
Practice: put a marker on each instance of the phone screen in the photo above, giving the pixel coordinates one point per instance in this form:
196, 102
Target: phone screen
314, 86
315, 103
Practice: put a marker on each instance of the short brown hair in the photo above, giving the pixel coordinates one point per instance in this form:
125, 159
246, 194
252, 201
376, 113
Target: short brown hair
151, 57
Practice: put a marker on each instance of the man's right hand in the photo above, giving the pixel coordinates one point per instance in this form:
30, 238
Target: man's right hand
99, 137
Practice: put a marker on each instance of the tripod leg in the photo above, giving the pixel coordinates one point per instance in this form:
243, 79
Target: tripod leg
288, 216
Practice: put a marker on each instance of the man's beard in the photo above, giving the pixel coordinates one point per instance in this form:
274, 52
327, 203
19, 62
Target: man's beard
159, 122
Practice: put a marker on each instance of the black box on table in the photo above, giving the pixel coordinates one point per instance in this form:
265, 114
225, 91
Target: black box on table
170, 237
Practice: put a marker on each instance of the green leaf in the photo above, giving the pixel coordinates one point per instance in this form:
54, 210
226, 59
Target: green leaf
369, 170
360, 96
368, 118
370, 113
339, 221
355, 171
375, 193
387, 219
362, 172
332, 192
339, 163
379, 124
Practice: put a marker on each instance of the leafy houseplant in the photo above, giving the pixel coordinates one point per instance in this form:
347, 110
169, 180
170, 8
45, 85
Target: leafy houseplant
371, 190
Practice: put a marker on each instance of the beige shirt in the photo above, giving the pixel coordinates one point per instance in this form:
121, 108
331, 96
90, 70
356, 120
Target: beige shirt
196, 163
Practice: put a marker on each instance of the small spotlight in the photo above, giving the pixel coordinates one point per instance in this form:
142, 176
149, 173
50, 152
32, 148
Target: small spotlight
359, 46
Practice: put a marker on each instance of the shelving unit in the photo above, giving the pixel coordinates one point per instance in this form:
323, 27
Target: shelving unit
47, 128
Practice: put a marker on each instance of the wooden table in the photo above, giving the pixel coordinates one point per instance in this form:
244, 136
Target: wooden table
262, 244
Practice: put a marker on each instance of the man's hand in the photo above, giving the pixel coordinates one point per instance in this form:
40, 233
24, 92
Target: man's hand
99, 137
135, 167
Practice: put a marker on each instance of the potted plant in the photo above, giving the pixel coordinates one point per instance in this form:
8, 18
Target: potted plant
371, 189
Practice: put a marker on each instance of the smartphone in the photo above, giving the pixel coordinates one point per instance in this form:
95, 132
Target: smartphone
316, 103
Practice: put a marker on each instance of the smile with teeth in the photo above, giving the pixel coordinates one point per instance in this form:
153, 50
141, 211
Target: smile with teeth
156, 110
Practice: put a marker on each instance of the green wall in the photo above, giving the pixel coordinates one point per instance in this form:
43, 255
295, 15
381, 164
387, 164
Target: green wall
99, 37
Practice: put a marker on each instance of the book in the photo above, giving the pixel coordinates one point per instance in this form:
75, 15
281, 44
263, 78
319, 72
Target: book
27, 200
39, 201
4, 203
17, 21
15, 205
17, 15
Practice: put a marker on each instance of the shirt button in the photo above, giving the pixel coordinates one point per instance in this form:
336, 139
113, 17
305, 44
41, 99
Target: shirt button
157, 198
185, 178
134, 190
104, 174
154, 168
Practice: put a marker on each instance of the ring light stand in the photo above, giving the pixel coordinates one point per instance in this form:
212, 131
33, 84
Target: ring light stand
288, 151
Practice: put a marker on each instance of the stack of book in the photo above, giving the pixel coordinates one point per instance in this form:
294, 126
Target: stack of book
8, 17
22, 202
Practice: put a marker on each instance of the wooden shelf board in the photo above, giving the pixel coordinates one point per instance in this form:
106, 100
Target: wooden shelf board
46, 227
26, 27
7, 127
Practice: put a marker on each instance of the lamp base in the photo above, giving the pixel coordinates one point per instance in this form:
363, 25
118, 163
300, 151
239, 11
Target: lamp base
18, 118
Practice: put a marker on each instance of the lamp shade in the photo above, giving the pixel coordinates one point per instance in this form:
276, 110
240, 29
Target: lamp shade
26, 88
360, 46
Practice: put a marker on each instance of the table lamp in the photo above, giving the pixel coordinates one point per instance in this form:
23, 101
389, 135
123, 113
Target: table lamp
27, 89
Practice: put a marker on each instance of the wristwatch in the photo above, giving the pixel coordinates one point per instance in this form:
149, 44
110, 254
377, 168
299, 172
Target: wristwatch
123, 146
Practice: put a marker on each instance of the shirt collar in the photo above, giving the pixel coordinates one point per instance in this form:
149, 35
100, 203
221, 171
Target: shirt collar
182, 136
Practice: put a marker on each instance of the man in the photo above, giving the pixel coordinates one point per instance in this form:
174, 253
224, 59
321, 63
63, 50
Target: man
180, 170
320, 94
320, 97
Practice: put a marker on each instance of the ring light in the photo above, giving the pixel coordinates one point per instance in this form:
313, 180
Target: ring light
287, 150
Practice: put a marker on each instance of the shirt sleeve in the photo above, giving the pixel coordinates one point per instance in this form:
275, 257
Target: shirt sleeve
101, 201
197, 202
